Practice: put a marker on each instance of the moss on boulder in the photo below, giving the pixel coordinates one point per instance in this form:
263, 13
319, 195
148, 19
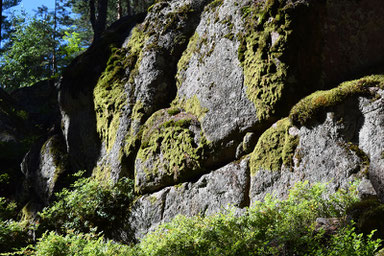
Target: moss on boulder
313, 105
267, 28
275, 148
109, 93
172, 149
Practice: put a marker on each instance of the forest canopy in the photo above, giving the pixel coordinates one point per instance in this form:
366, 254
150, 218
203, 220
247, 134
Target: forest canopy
36, 47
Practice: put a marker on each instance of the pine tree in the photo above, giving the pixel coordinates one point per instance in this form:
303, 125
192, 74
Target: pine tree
4, 24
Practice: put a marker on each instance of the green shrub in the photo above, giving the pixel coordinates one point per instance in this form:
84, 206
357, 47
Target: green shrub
272, 227
13, 234
78, 244
91, 206
348, 243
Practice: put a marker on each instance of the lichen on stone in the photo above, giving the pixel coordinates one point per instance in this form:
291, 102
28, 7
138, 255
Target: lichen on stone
169, 148
309, 108
215, 4
275, 148
191, 105
109, 95
172, 18
265, 74
182, 65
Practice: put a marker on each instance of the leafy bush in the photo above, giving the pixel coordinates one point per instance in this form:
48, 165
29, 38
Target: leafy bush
91, 206
13, 234
272, 227
78, 244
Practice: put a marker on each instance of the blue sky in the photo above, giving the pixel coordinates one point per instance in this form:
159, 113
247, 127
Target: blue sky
30, 5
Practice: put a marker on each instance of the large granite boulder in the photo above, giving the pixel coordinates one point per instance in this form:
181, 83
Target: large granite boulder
336, 139
220, 190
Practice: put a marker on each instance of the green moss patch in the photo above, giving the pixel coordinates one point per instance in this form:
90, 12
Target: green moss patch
308, 108
265, 74
191, 105
171, 146
182, 65
275, 148
109, 95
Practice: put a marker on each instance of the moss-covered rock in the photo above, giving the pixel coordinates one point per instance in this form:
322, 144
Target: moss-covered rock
275, 148
46, 169
147, 61
262, 46
109, 93
317, 103
77, 92
172, 150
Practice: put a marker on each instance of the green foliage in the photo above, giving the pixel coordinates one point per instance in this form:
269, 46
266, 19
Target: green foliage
91, 206
78, 244
73, 46
7, 209
36, 48
272, 227
28, 59
348, 243
13, 234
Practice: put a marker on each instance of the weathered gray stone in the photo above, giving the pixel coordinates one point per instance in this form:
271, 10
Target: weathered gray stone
166, 29
366, 190
336, 150
214, 79
371, 139
43, 166
172, 151
217, 191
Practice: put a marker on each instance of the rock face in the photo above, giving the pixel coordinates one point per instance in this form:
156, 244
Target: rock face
219, 190
206, 104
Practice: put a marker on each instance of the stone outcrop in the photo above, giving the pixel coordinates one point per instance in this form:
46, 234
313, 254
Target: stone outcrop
224, 189
211, 103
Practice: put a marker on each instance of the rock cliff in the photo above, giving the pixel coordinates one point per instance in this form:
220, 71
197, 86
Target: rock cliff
207, 104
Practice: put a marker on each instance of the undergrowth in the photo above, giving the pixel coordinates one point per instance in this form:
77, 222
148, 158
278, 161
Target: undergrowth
272, 227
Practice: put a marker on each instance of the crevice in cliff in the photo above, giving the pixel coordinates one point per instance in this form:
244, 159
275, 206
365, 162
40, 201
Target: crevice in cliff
246, 197
163, 203
76, 95
158, 93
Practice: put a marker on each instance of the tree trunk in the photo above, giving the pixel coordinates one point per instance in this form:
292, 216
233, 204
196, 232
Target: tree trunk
98, 17
54, 60
119, 9
92, 14
129, 9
